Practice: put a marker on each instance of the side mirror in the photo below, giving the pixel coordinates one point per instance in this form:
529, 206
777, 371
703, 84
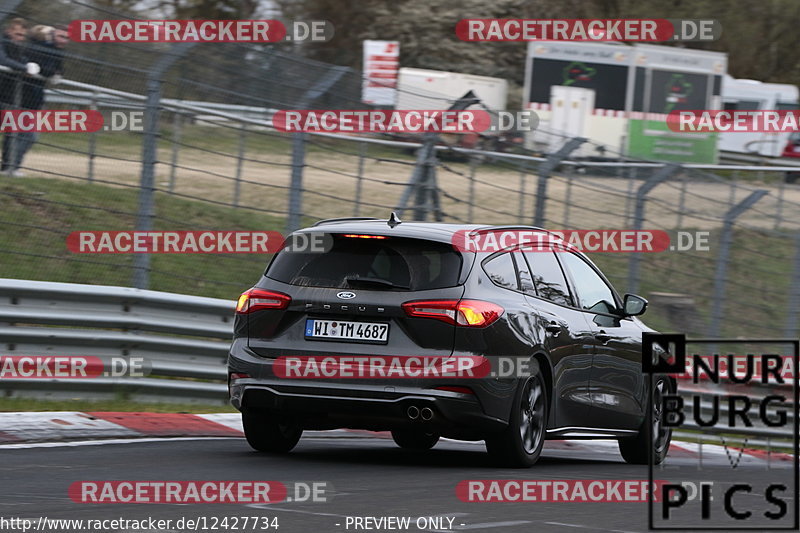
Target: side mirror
633, 305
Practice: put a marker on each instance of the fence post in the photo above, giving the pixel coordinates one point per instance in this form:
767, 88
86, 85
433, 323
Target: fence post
426, 198
423, 179
681, 202
92, 139
426, 159
146, 212
629, 196
779, 207
545, 169
567, 200
726, 239
473, 165
362, 149
296, 186
299, 147
793, 311
523, 172
237, 186
177, 132
638, 216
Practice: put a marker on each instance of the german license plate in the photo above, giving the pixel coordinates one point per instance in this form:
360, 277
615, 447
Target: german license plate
342, 330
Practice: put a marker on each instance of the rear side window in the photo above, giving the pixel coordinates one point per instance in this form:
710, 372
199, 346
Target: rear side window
548, 278
394, 263
501, 271
525, 278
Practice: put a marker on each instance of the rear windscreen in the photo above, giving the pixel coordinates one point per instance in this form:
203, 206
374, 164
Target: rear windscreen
393, 263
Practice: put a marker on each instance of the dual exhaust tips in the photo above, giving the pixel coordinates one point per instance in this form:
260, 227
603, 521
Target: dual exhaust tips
424, 414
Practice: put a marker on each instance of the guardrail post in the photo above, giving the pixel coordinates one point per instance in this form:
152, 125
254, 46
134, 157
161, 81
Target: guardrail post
644, 189
545, 169
146, 212
726, 239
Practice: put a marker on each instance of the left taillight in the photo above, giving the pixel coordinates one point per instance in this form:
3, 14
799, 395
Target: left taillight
258, 299
469, 313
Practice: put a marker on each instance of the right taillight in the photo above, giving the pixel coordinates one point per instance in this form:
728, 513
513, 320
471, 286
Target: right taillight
469, 313
257, 299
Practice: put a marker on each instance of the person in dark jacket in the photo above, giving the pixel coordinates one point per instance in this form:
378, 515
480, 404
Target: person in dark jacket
45, 48
12, 56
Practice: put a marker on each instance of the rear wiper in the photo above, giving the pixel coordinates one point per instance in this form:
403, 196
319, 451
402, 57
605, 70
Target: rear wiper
358, 280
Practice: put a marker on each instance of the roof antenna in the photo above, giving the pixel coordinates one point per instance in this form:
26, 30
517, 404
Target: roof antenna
394, 220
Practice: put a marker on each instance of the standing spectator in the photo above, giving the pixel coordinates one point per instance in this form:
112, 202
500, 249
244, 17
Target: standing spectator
45, 48
12, 55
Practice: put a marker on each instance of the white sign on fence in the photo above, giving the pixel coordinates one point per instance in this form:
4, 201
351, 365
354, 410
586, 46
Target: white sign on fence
381, 62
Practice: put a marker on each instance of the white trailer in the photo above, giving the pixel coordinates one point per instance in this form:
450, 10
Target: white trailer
438, 89
634, 89
755, 95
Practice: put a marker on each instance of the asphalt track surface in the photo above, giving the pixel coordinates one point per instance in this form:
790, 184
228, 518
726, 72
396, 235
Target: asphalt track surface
365, 476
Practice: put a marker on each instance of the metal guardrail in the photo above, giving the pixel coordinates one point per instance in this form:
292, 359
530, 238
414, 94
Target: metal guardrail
736, 158
98, 99
183, 338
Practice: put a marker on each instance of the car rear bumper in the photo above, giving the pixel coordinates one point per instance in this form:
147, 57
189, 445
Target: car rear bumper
317, 406
376, 405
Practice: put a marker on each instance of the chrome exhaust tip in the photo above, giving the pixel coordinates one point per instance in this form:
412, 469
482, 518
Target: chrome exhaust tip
412, 412
426, 413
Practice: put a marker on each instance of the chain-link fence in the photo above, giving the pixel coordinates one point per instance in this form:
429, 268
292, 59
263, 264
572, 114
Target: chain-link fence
208, 158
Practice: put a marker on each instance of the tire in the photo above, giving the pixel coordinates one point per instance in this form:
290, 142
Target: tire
410, 439
520, 444
635, 449
265, 433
